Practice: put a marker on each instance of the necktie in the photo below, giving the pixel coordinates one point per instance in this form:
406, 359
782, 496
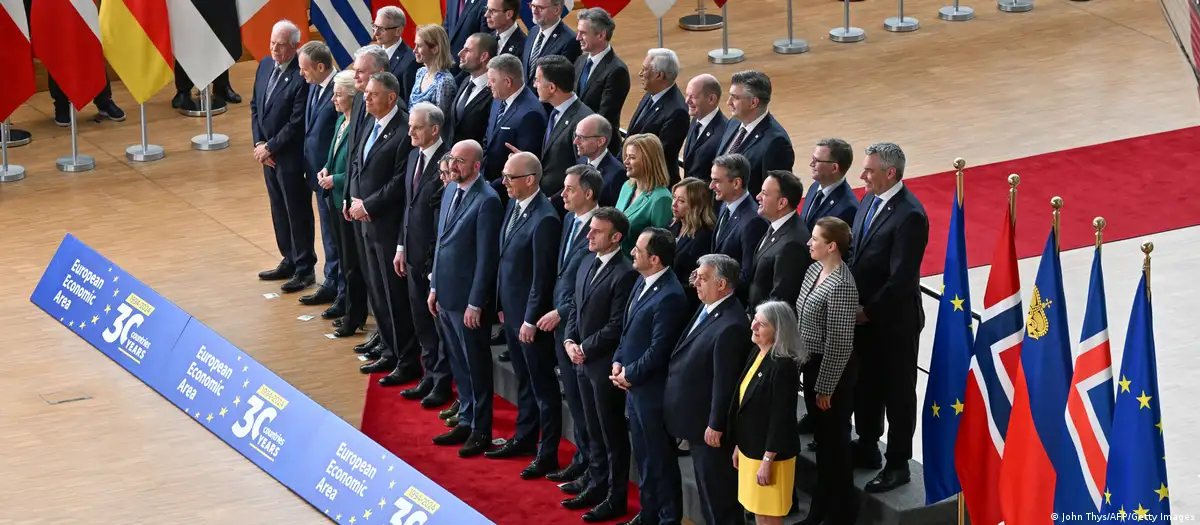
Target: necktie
763, 242
462, 102
503, 107
583, 78
594, 270
722, 220
512, 220
533, 54
693, 136
420, 171
870, 216
461, 4
637, 113
312, 102
818, 200
637, 294
458, 195
271, 83
570, 240
737, 141
699, 319
549, 128
371, 140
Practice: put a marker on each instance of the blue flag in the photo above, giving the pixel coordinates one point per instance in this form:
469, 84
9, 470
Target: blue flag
952, 342
1137, 463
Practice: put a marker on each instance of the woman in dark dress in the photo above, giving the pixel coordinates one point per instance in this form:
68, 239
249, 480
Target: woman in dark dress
693, 224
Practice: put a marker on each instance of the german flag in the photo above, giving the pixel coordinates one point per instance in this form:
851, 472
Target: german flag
136, 37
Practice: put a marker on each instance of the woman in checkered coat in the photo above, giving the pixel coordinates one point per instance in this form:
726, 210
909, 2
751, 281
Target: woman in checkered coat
825, 309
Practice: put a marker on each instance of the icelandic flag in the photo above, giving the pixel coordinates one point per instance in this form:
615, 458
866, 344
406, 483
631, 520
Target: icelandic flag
345, 25
1081, 460
1035, 428
979, 445
948, 367
1137, 462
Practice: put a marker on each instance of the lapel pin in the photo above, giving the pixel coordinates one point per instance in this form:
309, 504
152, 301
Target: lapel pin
772, 239
760, 374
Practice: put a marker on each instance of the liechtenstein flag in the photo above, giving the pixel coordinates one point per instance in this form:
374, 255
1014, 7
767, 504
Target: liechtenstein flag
1027, 477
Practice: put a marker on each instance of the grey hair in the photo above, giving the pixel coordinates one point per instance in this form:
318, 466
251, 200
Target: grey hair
388, 81
431, 111
393, 14
590, 179
510, 66
532, 164
890, 156
318, 52
757, 84
736, 165
345, 78
376, 52
726, 268
600, 20
664, 61
293, 31
603, 126
782, 318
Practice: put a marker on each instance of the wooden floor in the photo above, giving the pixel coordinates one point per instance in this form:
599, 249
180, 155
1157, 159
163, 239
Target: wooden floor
196, 225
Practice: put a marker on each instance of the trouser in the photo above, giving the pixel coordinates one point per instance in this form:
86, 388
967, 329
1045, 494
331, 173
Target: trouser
60, 98
654, 450
355, 296
433, 355
333, 261
471, 364
571, 388
716, 480
291, 213
390, 297
835, 498
604, 411
539, 400
887, 384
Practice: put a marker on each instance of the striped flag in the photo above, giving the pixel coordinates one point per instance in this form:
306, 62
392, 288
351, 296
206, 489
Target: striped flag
137, 42
989, 390
344, 24
195, 44
17, 59
66, 37
258, 17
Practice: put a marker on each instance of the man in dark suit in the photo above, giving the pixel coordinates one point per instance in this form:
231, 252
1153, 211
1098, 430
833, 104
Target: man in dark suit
464, 271
781, 256
662, 110
654, 320
469, 118
752, 131
703, 99
891, 231
580, 188
316, 66
414, 250
601, 77
702, 379
596, 315
555, 87
376, 199
463, 19
402, 63
739, 228
277, 124
501, 17
549, 37
517, 121
591, 136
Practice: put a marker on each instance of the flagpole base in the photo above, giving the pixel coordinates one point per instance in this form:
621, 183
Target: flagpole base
847, 35
12, 173
1015, 6
214, 142
791, 46
18, 138
901, 25
76, 164
956, 14
150, 153
200, 112
701, 22
726, 56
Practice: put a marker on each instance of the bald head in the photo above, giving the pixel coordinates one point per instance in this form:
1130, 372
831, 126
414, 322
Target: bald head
703, 95
522, 175
464, 161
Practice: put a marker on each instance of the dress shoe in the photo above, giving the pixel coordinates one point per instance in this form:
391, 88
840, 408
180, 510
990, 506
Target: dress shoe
371, 343
505, 357
435, 399
574, 470
344, 330
298, 282
417, 392
445, 414
335, 311
323, 295
539, 468
812, 445
608, 510
337, 323
227, 93
807, 425
109, 110
180, 96
456, 436
385, 364
452, 421
281, 272
515, 448
575, 487
399, 377
888, 479
374, 354
476, 445
590, 498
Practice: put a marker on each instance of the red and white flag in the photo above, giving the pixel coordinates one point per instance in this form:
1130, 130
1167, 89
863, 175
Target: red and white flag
66, 37
17, 59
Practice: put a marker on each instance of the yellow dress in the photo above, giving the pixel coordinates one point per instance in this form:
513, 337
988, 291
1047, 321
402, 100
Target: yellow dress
774, 499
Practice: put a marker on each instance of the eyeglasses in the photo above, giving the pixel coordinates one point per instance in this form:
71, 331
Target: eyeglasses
821, 161
585, 137
376, 29
510, 177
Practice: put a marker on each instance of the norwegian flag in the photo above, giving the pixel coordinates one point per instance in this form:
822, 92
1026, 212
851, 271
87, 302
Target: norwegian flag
989, 395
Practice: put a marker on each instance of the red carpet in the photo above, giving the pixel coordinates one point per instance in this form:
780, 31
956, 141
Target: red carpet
491, 486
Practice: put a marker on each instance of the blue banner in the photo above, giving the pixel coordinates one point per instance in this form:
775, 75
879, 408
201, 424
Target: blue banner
332, 465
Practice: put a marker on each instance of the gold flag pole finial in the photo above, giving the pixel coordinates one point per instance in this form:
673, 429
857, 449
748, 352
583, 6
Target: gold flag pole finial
959, 164
1057, 204
1147, 247
1013, 181
1099, 224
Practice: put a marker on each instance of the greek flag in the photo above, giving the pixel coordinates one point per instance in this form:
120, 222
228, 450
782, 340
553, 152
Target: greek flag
345, 25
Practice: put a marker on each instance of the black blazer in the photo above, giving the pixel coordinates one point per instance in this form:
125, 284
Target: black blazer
841, 203
469, 120
319, 121
596, 313
779, 264
702, 375
515, 45
460, 26
614, 175
561, 42
420, 219
886, 262
404, 66
668, 118
558, 151
280, 121
379, 180
527, 269
605, 92
767, 148
765, 418
688, 251
739, 238
701, 150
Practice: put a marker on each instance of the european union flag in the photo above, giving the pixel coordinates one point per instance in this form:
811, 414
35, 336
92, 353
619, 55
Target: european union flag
952, 342
1137, 463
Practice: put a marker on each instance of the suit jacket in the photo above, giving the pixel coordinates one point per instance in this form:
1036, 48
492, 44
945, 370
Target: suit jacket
359, 119
596, 312
339, 161
667, 118
700, 151
688, 251
469, 120
841, 203
523, 124
652, 208
887, 262
569, 257
378, 178
319, 119
515, 45
767, 148
779, 264
464, 262
404, 66
460, 25
605, 92
739, 238
614, 175
561, 42
558, 151
703, 372
652, 327
527, 269
419, 233
280, 121
764, 419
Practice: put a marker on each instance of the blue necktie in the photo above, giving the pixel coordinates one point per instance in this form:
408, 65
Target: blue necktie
570, 241
587, 70
870, 216
699, 319
371, 140
312, 104
549, 128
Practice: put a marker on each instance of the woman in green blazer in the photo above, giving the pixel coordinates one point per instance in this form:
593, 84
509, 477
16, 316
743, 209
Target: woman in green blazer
333, 177
645, 198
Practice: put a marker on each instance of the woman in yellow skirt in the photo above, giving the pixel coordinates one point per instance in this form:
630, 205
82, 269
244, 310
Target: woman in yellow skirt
762, 416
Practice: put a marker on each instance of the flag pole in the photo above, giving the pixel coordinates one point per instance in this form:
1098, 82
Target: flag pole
790, 45
1099, 224
725, 55
209, 141
962, 509
959, 164
1057, 204
1013, 181
901, 23
846, 34
956, 13
8, 172
144, 152
76, 162
1147, 247
660, 32
701, 20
